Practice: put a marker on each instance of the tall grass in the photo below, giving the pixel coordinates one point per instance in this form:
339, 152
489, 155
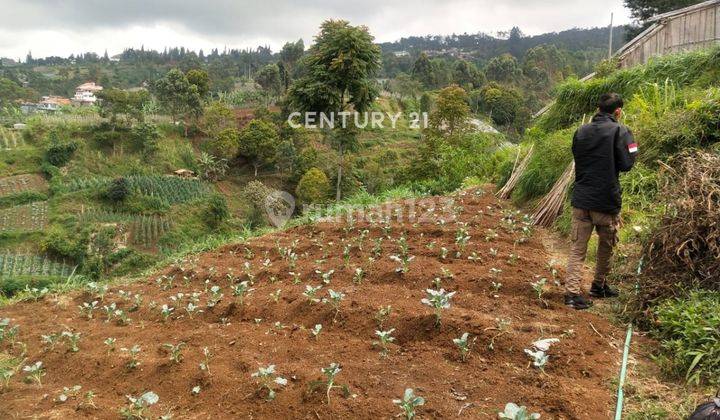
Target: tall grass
574, 98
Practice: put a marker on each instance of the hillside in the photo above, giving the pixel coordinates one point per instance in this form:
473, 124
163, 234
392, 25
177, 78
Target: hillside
271, 322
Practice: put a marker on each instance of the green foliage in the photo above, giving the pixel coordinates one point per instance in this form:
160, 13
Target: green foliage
225, 145
575, 99
258, 142
216, 211
313, 188
216, 118
551, 155
689, 330
20, 198
116, 103
145, 137
269, 79
177, 95
451, 111
503, 68
59, 153
501, 103
201, 80
118, 190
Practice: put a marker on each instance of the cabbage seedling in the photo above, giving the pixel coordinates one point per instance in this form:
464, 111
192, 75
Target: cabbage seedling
539, 358
35, 372
514, 412
133, 352
110, 343
358, 276
384, 338
175, 351
192, 309
6, 374
241, 290
334, 300
325, 276
7, 332
205, 364
465, 345
72, 339
462, 238
215, 296
166, 311
88, 308
438, 300
267, 380
409, 403
539, 288
315, 331
311, 293
275, 296
330, 373
404, 261
68, 393
137, 407
382, 315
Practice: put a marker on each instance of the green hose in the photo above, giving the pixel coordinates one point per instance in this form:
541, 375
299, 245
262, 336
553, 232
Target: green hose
626, 354
623, 373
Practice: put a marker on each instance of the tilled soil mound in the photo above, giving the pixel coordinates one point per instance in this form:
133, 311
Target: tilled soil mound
272, 325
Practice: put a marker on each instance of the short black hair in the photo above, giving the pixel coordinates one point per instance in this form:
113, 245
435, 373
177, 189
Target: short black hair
609, 102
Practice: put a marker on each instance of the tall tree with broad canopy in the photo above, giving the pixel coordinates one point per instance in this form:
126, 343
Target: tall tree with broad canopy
178, 96
339, 71
258, 143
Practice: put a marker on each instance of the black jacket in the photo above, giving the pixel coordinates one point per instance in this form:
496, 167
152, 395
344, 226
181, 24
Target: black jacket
602, 149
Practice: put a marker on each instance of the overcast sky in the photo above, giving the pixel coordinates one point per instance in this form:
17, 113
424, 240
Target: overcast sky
62, 27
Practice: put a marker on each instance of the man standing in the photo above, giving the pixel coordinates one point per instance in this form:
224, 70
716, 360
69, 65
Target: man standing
602, 149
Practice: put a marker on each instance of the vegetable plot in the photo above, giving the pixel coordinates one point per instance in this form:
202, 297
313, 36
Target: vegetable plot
319, 322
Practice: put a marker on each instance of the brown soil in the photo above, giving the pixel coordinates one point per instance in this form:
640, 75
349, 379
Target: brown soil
576, 383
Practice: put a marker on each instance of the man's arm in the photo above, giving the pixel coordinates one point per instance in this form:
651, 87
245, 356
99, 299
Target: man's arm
625, 149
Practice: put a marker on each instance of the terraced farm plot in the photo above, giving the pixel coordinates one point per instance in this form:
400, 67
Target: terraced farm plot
20, 183
144, 230
12, 264
169, 189
10, 139
28, 217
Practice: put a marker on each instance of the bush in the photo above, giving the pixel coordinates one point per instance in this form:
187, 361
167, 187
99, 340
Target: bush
59, 154
145, 138
225, 145
313, 188
118, 190
216, 211
689, 330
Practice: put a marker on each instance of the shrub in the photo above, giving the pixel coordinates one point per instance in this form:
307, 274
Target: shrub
216, 211
314, 187
689, 330
145, 137
59, 154
225, 145
118, 190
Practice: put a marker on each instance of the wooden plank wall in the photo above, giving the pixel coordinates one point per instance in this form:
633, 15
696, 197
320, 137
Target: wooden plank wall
693, 30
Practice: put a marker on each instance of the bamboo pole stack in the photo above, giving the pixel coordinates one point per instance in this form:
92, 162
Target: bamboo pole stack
517, 172
551, 205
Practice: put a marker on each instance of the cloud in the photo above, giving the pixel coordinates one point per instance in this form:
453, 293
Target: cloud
55, 27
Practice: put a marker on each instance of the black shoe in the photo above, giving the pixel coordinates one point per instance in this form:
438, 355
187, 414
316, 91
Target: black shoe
601, 292
577, 302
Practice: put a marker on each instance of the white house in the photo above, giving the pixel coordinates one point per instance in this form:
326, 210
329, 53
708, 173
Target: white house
85, 93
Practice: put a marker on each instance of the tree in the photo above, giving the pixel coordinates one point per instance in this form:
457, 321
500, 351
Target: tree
503, 68
116, 103
501, 103
201, 80
340, 69
423, 71
467, 75
216, 118
177, 95
258, 143
145, 137
406, 86
225, 145
211, 169
314, 187
451, 111
289, 55
269, 79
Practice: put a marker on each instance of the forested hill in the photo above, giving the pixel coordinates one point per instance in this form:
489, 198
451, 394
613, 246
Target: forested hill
483, 46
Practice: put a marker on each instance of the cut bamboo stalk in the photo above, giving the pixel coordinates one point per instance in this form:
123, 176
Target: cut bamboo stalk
518, 170
550, 207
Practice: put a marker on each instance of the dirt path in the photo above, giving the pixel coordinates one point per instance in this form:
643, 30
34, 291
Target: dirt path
273, 327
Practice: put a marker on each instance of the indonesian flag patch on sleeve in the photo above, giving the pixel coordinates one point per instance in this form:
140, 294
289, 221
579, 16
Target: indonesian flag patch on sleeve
632, 147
